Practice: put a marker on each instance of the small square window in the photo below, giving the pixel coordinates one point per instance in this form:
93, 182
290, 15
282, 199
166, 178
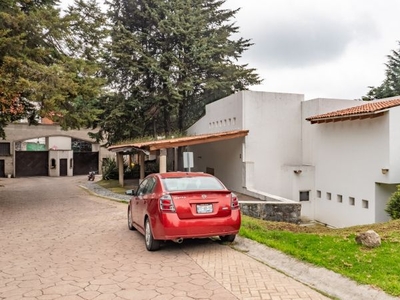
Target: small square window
352, 201
318, 194
328, 196
365, 204
304, 195
5, 149
339, 198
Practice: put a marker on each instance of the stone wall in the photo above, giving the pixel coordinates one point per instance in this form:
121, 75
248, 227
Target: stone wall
272, 211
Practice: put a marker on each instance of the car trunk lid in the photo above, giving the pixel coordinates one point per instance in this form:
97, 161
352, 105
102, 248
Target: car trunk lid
202, 204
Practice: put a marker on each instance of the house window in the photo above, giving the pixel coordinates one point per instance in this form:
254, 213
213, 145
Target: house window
304, 195
5, 149
328, 196
318, 194
339, 198
210, 170
365, 204
53, 163
352, 201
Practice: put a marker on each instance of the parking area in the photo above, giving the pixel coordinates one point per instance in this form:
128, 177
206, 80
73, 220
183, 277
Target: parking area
57, 241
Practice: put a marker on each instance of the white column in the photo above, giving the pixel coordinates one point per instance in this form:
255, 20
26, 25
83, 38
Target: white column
163, 160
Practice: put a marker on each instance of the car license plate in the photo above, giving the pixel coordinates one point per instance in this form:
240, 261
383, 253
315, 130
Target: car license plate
204, 208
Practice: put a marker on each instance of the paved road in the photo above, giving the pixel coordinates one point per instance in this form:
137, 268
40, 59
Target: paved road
57, 241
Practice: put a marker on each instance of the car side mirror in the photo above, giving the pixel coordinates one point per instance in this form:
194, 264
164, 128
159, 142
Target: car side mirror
130, 192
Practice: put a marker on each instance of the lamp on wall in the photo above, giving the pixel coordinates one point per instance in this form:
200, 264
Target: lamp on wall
384, 171
297, 171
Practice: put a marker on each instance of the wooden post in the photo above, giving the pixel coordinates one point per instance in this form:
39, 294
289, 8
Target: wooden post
120, 162
176, 159
142, 166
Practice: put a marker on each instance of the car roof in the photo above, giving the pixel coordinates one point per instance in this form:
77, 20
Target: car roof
183, 174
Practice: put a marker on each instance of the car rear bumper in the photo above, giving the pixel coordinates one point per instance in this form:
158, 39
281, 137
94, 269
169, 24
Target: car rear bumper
171, 227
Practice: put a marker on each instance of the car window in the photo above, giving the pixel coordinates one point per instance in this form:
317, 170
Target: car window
151, 183
192, 183
142, 188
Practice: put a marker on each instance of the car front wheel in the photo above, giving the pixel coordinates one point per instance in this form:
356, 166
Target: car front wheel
151, 243
228, 238
130, 222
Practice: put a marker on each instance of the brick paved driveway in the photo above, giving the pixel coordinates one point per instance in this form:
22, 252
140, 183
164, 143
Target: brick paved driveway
59, 242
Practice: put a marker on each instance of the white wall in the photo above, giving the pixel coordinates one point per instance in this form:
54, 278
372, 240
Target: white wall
59, 142
394, 144
348, 161
222, 115
274, 139
57, 155
224, 157
316, 107
273, 142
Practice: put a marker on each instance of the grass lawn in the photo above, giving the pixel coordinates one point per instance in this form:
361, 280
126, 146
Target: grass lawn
336, 249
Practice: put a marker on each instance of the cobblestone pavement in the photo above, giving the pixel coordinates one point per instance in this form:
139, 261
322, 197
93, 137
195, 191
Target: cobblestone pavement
57, 241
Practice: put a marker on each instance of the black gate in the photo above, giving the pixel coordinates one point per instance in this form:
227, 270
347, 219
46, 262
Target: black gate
2, 172
31, 163
85, 162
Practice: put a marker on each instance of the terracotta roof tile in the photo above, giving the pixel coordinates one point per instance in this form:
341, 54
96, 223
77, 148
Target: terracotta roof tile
365, 109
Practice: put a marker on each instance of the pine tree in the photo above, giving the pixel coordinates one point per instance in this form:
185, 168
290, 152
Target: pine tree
167, 59
41, 73
391, 84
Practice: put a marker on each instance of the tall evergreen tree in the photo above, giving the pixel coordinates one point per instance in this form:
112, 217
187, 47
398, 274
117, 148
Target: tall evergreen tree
167, 59
391, 84
41, 73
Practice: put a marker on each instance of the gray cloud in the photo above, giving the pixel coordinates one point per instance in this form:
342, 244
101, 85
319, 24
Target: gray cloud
306, 40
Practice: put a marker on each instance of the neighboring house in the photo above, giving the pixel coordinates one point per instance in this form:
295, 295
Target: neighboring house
47, 150
340, 158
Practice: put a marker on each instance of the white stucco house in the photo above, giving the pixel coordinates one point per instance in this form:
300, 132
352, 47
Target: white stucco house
340, 158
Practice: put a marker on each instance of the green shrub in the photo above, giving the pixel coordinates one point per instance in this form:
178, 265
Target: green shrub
109, 169
393, 206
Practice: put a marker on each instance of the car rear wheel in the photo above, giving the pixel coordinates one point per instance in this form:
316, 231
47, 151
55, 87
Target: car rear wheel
228, 238
130, 222
151, 243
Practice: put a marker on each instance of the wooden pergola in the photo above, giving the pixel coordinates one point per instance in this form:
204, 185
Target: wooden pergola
144, 148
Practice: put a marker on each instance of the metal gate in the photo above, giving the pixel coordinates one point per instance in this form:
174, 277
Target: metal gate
31, 163
85, 162
2, 172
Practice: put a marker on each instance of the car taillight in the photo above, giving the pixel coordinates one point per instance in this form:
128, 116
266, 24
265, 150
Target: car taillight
234, 201
166, 204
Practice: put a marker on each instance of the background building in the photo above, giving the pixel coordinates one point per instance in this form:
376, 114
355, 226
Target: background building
342, 168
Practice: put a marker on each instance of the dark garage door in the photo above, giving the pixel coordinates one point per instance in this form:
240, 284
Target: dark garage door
31, 163
85, 162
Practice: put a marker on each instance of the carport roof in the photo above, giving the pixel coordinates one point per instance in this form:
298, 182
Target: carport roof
179, 142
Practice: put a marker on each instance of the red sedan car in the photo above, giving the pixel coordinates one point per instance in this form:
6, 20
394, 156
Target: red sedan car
180, 205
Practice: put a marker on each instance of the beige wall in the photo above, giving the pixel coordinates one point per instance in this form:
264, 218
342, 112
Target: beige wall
54, 135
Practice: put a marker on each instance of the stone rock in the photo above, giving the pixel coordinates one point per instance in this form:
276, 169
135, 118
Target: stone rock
369, 239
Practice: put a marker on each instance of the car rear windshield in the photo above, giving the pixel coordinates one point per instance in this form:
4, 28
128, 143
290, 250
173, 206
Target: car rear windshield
192, 183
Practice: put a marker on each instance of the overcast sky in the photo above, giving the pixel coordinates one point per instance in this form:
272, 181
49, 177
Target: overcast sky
319, 48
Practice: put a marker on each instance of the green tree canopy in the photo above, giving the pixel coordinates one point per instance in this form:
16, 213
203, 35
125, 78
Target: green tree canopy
391, 84
165, 61
48, 64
